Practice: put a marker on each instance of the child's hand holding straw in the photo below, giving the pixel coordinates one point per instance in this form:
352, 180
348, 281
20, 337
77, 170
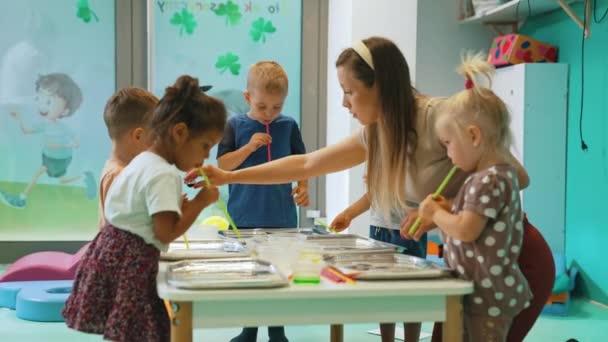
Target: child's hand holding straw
432, 197
215, 175
219, 202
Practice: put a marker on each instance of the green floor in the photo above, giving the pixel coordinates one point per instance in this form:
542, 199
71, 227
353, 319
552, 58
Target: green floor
586, 323
45, 216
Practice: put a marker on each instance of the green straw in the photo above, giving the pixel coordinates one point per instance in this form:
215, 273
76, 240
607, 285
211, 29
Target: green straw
326, 226
440, 189
186, 241
221, 204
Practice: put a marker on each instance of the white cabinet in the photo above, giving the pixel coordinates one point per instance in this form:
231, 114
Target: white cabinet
537, 97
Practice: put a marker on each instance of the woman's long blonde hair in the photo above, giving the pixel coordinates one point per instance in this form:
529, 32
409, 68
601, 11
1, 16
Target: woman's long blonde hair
478, 104
391, 141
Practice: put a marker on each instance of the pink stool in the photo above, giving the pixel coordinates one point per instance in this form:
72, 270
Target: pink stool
44, 266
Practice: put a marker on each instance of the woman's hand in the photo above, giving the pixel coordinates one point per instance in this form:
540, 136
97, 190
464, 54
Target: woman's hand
215, 175
340, 222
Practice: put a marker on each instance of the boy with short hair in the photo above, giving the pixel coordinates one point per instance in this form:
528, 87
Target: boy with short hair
250, 139
126, 114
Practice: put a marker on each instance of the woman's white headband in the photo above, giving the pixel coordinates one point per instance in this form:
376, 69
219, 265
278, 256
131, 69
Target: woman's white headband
363, 51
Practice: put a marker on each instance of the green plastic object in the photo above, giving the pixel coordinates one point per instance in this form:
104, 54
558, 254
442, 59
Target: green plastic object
307, 279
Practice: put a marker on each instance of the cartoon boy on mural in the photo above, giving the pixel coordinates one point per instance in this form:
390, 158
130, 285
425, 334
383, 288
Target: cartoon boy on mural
58, 97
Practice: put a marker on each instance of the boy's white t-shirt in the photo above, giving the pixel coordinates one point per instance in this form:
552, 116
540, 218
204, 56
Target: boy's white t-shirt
148, 185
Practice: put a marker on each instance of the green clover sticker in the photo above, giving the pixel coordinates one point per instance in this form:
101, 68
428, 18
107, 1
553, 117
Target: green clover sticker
231, 11
84, 12
259, 28
228, 61
185, 20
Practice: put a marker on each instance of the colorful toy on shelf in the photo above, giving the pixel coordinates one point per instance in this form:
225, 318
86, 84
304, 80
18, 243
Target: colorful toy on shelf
516, 48
565, 280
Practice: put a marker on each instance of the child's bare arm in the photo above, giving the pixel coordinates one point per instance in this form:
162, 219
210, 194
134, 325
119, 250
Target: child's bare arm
168, 225
466, 226
232, 160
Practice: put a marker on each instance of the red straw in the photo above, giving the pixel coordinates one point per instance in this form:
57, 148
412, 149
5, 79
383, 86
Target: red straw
268, 146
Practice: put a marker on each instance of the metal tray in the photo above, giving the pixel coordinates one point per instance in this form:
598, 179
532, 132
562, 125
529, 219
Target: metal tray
386, 266
349, 243
247, 236
224, 273
307, 231
205, 249
264, 231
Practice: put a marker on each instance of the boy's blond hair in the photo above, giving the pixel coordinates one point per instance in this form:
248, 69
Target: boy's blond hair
268, 76
478, 105
128, 108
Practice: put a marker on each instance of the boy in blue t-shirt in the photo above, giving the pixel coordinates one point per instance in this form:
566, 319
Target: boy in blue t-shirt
261, 135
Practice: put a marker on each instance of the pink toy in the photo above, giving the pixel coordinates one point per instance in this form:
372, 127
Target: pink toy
44, 266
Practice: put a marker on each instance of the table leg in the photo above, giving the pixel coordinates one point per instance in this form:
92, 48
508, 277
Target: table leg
181, 322
337, 333
453, 326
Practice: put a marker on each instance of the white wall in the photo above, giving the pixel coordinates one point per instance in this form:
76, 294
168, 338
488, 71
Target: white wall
392, 19
350, 20
338, 119
441, 40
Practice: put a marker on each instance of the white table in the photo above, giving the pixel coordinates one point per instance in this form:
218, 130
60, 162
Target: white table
327, 303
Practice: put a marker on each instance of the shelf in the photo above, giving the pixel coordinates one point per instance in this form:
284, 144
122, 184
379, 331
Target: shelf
509, 12
516, 11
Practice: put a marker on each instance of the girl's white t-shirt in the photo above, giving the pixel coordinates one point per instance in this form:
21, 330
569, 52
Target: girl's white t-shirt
148, 185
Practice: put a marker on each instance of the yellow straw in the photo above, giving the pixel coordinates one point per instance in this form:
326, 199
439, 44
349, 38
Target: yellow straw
326, 226
186, 241
440, 189
221, 204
